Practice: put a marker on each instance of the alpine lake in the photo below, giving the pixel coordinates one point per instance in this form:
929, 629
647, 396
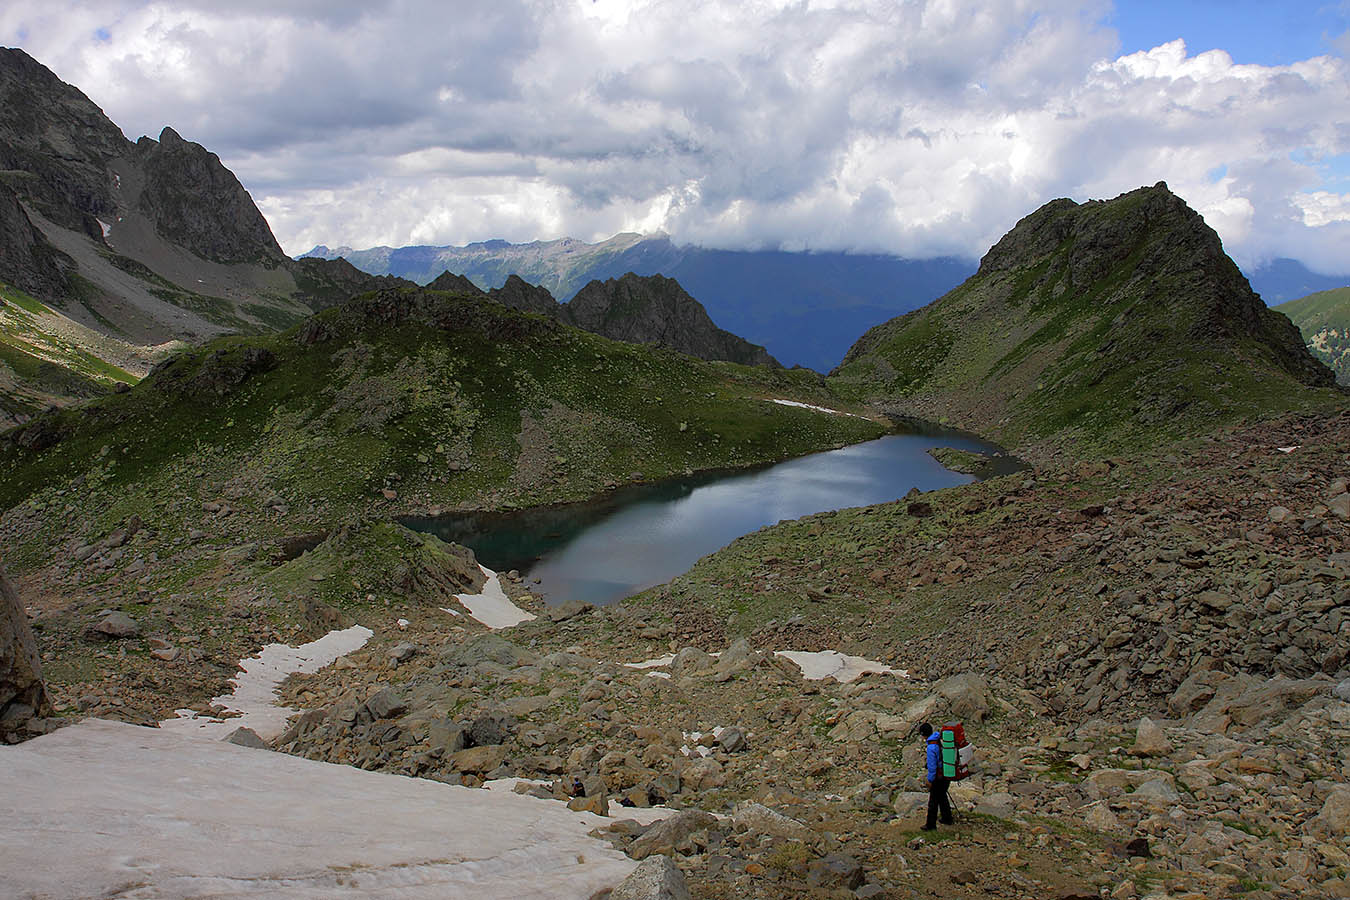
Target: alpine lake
602, 550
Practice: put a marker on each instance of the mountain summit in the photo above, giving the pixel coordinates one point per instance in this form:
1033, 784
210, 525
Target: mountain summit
1107, 322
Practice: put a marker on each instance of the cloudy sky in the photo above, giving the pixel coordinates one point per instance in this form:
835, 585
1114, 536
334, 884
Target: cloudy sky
915, 127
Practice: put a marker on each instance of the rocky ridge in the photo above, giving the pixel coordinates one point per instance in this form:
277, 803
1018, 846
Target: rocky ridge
1109, 326
656, 310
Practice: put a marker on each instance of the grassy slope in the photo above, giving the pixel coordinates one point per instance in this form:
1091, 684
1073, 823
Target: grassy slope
435, 412
1324, 320
40, 367
1106, 327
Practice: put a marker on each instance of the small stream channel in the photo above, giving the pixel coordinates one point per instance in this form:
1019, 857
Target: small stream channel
605, 549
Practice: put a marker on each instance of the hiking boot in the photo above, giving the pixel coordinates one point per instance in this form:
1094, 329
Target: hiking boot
948, 821
928, 828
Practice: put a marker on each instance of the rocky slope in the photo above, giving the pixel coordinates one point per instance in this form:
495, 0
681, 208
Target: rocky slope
1108, 324
1324, 320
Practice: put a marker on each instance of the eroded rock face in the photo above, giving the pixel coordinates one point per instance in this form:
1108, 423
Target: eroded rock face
22, 696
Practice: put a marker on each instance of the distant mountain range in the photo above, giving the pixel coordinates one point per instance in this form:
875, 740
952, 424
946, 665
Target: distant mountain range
806, 308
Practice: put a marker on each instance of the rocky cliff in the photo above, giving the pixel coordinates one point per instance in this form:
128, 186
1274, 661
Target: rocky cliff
656, 310
22, 695
1104, 323
197, 203
27, 260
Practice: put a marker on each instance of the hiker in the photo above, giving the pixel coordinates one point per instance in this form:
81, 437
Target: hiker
937, 784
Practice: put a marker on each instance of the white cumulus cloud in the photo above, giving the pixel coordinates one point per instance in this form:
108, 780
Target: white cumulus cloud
921, 127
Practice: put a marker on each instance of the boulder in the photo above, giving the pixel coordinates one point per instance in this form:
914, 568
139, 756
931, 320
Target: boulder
732, 739
759, 819
246, 737
446, 736
385, 704
1149, 739
702, 774
403, 652
114, 626
596, 804
491, 728
655, 878
968, 696
1334, 819
737, 658
22, 694
838, 870
667, 834
489, 648
691, 661
479, 760
564, 611
1340, 506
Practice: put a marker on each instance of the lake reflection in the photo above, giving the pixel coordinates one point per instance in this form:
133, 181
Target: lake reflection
605, 550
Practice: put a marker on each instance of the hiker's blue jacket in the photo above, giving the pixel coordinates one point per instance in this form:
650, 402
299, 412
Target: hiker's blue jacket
934, 755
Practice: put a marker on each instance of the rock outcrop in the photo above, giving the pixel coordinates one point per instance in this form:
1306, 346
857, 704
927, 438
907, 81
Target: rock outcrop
27, 260
22, 695
520, 294
197, 203
656, 310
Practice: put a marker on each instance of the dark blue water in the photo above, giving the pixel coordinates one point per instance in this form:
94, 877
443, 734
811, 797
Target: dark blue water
603, 550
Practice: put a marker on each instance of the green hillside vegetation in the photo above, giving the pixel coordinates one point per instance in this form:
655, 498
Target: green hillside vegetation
1102, 327
1324, 320
426, 399
48, 360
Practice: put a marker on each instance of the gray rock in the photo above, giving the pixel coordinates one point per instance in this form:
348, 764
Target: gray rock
759, 819
1149, 740
116, 625
666, 834
1343, 690
732, 739
22, 694
968, 696
447, 736
1340, 506
655, 878
489, 648
403, 652
246, 737
564, 611
491, 728
691, 661
479, 760
386, 705
838, 870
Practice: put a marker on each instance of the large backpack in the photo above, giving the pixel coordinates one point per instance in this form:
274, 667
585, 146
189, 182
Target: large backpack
956, 752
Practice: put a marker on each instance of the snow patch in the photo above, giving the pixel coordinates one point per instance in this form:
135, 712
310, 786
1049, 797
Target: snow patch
815, 665
107, 805
824, 409
255, 688
822, 664
492, 607
653, 663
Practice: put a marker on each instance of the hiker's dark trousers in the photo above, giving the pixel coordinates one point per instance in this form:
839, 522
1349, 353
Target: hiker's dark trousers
938, 802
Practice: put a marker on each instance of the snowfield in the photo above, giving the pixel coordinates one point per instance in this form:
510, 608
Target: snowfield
104, 809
